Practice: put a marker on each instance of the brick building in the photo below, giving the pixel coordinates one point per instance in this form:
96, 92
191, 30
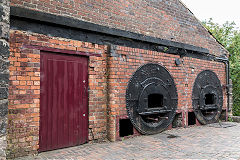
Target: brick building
78, 70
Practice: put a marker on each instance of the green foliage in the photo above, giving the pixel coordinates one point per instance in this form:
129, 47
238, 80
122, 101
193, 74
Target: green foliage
229, 37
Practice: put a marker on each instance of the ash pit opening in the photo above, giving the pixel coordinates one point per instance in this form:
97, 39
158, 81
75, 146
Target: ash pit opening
177, 121
223, 115
191, 119
155, 101
125, 127
209, 99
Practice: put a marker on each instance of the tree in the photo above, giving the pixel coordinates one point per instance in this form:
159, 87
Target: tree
229, 37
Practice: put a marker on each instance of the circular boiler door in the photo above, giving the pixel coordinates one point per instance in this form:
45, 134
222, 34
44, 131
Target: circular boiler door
207, 97
151, 99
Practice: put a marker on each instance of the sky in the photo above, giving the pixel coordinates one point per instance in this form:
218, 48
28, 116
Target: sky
219, 10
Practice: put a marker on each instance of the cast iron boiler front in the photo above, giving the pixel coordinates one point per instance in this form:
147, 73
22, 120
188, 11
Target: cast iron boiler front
151, 99
207, 97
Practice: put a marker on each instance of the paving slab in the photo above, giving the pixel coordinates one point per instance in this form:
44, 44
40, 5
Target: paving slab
212, 141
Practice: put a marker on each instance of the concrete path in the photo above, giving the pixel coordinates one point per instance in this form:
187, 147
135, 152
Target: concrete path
197, 142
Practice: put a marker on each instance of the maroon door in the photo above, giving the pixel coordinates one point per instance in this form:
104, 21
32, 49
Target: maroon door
63, 101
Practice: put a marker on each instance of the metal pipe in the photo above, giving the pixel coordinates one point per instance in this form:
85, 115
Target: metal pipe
228, 91
226, 61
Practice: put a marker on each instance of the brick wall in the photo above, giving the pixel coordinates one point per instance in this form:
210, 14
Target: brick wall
167, 19
24, 90
4, 73
125, 62
108, 78
110, 72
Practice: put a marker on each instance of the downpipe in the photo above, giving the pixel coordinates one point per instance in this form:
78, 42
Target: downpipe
225, 60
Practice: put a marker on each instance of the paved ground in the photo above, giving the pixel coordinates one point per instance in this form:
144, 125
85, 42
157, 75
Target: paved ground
198, 142
3, 144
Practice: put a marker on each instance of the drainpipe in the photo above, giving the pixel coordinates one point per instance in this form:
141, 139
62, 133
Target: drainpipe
226, 61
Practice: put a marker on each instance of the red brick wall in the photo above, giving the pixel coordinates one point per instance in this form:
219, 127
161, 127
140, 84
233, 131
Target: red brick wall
128, 60
167, 19
24, 89
108, 76
108, 79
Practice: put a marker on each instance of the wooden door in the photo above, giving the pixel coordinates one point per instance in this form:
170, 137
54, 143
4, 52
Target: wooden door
63, 101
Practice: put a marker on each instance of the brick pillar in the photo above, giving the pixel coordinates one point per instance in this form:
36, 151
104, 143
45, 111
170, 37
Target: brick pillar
4, 73
111, 117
